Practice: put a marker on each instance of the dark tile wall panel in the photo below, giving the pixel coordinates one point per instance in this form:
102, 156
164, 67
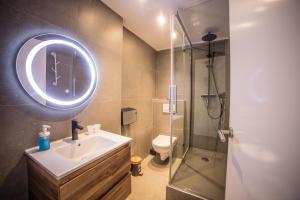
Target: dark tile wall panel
94, 25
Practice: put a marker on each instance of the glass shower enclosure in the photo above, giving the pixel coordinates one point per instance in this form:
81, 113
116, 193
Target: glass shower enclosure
199, 104
180, 93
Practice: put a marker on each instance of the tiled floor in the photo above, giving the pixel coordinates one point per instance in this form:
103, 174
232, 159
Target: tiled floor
204, 178
152, 185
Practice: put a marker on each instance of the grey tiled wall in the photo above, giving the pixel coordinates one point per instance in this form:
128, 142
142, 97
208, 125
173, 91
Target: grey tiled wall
94, 25
204, 130
182, 73
138, 90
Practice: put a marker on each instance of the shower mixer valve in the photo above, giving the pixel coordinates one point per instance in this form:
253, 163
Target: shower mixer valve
222, 134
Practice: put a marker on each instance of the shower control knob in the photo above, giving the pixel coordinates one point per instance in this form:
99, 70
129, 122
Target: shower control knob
222, 133
221, 136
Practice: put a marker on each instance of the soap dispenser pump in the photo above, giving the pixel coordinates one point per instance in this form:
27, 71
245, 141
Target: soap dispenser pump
44, 138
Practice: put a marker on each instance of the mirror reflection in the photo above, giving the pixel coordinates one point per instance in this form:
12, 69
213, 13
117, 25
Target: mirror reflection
56, 71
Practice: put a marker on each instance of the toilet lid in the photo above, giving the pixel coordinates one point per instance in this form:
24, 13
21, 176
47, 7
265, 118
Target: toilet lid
163, 140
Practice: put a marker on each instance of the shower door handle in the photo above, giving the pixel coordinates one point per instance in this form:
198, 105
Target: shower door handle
173, 98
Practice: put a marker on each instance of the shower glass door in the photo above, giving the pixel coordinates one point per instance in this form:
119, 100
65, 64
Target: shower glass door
180, 93
200, 104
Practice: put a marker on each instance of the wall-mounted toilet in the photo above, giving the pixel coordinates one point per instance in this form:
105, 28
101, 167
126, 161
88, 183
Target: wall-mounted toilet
161, 145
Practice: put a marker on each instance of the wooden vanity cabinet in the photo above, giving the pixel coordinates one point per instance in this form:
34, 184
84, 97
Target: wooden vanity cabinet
107, 178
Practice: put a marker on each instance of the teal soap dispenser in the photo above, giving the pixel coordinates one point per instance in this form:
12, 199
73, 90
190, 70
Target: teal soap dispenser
44, 138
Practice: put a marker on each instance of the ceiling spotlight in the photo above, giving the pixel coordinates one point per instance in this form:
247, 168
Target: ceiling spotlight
161, 19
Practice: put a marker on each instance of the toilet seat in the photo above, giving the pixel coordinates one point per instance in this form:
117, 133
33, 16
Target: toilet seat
163, 141
161, 144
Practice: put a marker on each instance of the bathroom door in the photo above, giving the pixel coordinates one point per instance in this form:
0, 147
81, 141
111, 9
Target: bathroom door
263, 155
180, 93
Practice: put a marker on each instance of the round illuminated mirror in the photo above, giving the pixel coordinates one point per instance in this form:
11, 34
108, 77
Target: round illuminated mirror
56, 71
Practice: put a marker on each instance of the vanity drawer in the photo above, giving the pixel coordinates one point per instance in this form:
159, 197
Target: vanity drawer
98, 180
120, 191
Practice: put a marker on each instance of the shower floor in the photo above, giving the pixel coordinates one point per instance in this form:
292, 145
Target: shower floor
203, 173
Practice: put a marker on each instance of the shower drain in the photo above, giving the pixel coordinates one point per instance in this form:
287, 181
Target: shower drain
205, 159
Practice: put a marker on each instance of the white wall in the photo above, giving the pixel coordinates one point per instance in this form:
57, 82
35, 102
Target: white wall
264, 155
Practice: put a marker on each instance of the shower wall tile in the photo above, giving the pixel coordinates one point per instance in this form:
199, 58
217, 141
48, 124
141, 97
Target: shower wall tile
179, 73
208, 143
200, 77
227, 89
204, 133
179, 134
204, 142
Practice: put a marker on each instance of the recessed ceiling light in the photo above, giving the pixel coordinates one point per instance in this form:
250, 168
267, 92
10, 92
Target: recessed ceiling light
161, 19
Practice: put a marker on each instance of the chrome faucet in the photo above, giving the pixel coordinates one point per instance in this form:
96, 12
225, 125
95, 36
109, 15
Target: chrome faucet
75, 126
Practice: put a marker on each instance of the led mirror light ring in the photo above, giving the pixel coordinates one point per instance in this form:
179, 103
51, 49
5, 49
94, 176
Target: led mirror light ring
36, 88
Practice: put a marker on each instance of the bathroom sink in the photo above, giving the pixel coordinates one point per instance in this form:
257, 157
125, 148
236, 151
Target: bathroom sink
67, 155
82, 148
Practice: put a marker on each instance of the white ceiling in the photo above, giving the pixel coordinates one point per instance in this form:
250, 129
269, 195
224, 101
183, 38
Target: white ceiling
140, 17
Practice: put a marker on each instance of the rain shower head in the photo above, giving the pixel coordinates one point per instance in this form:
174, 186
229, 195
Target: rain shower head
209, 37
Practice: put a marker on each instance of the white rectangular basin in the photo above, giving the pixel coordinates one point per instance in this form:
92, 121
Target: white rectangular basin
67, 155
83, 148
